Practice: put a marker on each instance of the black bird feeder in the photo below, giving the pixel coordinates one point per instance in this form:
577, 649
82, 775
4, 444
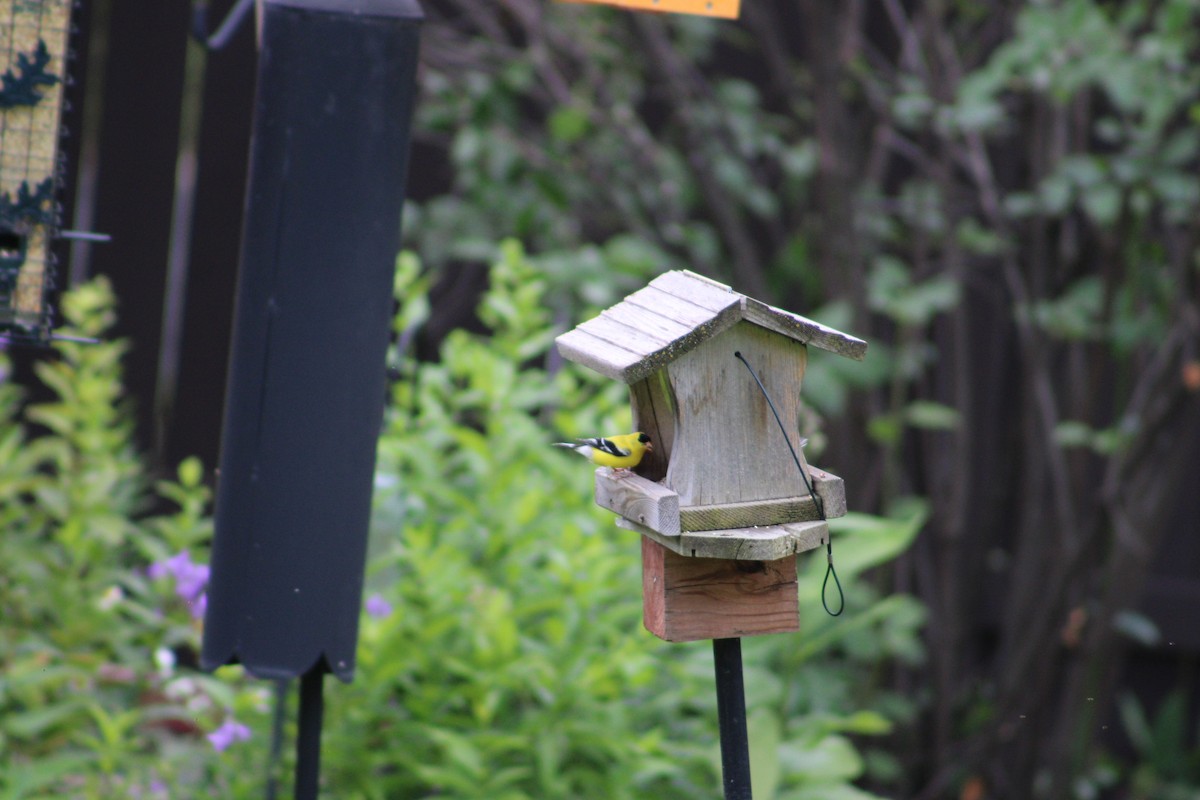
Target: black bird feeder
306, 384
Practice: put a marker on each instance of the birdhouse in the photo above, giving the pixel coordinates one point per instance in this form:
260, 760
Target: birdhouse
719, 501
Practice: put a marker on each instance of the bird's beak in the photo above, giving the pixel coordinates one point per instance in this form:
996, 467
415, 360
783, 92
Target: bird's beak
649, 446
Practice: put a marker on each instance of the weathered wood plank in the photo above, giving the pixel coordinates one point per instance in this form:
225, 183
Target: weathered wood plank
652, 322
637, 499
748, 514
598, 355
801, 508
656, 361
678, 309
654, 413
804, 330
688, 599
698, 290
714, 283
656, 507
634, 340
832, 491
729, 448
754, 544
654, 593
676, 313
613, 347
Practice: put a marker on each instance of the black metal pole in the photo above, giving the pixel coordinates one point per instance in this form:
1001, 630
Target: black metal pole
308, 739
731, 716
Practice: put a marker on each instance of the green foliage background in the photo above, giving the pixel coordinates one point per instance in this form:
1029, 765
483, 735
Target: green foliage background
512, 663
1002, 197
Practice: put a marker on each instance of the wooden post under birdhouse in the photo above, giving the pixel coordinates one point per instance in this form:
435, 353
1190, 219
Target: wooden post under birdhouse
720, 503
686, 599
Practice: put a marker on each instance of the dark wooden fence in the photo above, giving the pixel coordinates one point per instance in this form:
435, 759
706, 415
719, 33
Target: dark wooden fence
159, 135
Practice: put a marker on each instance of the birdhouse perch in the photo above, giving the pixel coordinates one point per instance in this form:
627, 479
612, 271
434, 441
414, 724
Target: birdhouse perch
720, 506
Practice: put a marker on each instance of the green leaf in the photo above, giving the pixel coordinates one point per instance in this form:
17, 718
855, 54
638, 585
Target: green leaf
569, 124
862, 541
830, 760
864, 723
766, 735
891, 291
42, 773
1137, 627
191, 472
977, 239
1103, 203
1074, 315
1073, 433
829, 792
1136, 724
928, 415
885, 429
39, 721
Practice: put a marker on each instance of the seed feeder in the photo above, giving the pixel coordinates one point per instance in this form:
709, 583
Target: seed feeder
714, 379
33, 41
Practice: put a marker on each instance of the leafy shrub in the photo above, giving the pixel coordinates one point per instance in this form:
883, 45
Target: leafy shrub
502, 649
510, 660
91, 703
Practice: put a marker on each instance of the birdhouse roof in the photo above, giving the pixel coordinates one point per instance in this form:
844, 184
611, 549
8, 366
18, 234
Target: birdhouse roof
677, 312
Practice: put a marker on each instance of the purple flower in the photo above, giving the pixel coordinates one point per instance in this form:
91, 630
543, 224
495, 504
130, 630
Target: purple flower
378, 607
190, 578
230, 731
157, 789
199, 606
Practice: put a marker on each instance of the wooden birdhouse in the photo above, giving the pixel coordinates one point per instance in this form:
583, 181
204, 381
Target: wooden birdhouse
719, 501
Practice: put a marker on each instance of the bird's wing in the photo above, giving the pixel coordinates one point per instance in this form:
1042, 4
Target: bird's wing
605, 446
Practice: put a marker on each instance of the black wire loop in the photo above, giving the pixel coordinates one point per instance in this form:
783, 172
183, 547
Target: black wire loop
811, 493
837, 583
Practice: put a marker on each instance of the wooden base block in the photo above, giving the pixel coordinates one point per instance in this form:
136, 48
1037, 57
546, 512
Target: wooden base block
685, 599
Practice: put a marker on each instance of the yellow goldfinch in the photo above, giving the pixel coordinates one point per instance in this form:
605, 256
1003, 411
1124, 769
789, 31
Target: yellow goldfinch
619, 452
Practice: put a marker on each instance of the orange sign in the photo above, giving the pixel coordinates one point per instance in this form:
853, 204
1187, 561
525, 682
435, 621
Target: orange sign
706, 8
